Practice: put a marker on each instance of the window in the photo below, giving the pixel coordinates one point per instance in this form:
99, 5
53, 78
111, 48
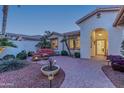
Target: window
77, 42
74, 42
71, 43
54, 43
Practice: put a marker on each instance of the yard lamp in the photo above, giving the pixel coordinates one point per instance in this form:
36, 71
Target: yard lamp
50, 78
36, 58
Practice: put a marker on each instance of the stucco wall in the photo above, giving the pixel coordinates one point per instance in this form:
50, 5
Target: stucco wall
22, 45
105, 21
60, 44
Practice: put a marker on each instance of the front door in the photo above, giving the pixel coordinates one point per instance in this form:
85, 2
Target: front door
100, 47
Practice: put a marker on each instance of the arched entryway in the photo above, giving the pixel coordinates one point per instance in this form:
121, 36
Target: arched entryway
99, 43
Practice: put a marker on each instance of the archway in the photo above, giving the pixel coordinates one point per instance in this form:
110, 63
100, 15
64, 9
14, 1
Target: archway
99, 42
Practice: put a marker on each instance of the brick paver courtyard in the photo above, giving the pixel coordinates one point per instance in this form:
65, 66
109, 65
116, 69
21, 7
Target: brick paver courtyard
83, 73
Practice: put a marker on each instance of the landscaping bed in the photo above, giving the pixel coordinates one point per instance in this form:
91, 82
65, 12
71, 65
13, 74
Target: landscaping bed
6, 66
116, 77
29, 77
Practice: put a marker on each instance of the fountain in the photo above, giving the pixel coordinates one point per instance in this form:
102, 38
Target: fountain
51, 68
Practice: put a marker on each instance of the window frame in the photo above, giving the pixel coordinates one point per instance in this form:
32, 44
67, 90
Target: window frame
78, 48
51, 40
73, 37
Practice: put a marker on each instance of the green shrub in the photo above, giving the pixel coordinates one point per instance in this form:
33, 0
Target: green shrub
122, 48
22, 55
11, 65
77, 54
30, 53
64, 53
8, 57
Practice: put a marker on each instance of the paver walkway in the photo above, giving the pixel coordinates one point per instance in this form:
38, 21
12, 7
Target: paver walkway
83, 73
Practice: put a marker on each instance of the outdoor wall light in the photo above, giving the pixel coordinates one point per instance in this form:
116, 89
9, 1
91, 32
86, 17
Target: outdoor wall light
99, 34
98, 15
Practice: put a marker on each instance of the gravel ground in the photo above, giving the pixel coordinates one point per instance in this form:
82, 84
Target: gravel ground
29, 77
115, 76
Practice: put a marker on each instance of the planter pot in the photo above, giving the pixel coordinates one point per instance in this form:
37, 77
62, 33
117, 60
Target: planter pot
53, 72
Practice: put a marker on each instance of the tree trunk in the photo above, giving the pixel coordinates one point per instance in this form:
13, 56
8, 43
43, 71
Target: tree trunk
68, 48
4, 22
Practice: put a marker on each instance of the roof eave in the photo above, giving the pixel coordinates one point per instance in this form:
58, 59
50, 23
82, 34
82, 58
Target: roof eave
94, 12
118, 18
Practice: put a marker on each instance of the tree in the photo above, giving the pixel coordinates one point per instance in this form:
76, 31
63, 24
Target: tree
5, 9
5, 14
4, 42
44, 41
64, 40
122, 47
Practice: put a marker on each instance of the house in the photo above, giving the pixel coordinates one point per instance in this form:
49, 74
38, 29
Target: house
55, 40
23, 42
101, 32
73, 40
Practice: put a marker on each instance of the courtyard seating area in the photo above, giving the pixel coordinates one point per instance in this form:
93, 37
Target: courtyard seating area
117, 62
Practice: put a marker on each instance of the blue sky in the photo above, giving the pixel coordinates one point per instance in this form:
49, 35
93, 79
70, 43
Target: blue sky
34, 20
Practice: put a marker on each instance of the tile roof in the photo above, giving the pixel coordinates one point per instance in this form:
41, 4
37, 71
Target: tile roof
76, 32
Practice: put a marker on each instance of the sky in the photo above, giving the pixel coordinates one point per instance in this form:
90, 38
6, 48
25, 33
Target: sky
34, 19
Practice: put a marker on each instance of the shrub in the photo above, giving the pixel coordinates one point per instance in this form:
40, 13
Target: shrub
77, 54
122, 48
8, 57
11, 65
64, 53
30, 53
22, 55
6, 43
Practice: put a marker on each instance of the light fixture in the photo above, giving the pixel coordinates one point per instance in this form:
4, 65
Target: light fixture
98, 15
100, 34
50, 78
36, 57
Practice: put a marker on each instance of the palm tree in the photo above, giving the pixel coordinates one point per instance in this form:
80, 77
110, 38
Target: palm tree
4, 22
5, 9
64, 40
44, 42
4, 41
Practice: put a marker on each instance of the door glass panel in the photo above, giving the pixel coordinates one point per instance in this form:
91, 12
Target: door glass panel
100, 47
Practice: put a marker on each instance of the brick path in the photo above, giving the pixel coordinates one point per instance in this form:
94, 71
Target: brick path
83, 73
